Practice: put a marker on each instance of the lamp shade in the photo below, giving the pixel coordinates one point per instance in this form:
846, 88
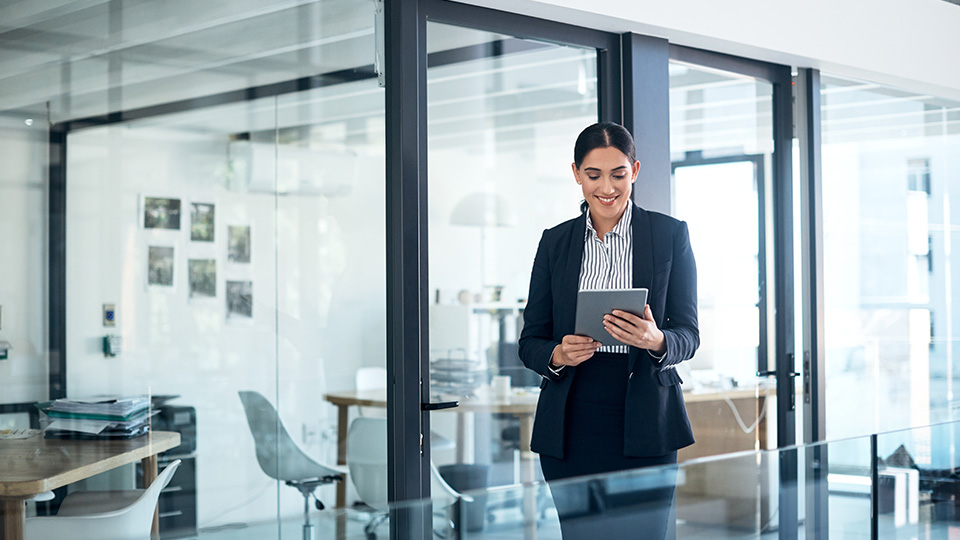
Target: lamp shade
483, 210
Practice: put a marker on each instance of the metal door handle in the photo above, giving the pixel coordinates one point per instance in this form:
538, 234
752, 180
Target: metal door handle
439, 406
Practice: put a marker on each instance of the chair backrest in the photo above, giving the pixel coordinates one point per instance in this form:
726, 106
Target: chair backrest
132, 522
277, 453
367, 460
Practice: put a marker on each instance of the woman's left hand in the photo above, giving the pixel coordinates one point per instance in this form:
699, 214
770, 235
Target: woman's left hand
639, 332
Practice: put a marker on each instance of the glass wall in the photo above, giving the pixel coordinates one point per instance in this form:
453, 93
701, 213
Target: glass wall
224, 248
502, 124
721, 143
889, 171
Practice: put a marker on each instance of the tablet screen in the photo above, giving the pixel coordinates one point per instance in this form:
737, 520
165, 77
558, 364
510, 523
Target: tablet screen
593, 304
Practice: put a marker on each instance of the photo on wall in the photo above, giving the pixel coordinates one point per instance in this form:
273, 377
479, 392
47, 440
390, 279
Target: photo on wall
161, 213
160, 266
238, 244
203, 278
202, 222
240, 299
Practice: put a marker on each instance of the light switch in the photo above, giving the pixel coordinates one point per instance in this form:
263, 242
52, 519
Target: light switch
109, 315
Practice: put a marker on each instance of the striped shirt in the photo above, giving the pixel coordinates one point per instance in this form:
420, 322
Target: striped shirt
608, 263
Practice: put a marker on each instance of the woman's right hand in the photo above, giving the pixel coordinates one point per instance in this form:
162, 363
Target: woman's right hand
574, 350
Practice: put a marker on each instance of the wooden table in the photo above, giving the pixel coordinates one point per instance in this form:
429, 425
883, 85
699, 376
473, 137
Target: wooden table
35, 465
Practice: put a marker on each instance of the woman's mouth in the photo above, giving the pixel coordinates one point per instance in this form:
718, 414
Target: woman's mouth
606, 201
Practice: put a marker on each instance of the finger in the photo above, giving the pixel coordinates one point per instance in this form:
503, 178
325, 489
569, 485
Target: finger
627, 316
583, 356
572, 338
622, 335
573, 349
647, 313
622, 323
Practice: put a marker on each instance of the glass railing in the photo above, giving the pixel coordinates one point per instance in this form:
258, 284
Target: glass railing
902, 484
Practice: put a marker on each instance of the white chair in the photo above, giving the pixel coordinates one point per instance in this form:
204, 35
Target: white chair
375, 378
103, 515
280, 457
367, 462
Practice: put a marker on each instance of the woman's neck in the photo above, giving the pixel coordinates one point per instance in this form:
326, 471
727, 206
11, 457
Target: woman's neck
603, 226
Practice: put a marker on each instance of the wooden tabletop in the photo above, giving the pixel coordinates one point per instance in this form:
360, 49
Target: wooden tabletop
524, 402
34, 465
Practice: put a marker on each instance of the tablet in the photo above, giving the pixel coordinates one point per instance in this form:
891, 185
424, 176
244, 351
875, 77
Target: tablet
593, 304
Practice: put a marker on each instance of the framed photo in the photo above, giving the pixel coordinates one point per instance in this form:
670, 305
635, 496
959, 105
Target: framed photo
240, 299
160, 266
238, 244
202, 222
202, 274
161, 213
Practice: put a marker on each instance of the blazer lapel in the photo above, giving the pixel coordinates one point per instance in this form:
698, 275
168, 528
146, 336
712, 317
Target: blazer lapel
642, 261
571, 274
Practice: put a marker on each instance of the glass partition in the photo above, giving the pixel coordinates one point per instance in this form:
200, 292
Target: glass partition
721, 144
889, 172
503, 115
218, 195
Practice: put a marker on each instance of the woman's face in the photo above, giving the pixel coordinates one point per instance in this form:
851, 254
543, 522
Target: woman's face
607, 177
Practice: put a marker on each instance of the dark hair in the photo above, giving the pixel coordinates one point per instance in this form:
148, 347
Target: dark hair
602, 135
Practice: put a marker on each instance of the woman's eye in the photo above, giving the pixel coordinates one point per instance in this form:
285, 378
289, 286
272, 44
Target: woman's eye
593, 177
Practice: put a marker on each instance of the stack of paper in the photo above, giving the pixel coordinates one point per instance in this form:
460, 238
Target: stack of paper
97, 418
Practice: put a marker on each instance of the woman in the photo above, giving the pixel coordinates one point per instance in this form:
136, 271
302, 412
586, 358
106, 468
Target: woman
607, 409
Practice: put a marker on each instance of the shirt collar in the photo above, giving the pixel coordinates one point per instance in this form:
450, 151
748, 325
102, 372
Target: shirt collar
620, 229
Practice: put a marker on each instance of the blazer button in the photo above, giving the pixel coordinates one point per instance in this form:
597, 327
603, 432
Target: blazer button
630, 376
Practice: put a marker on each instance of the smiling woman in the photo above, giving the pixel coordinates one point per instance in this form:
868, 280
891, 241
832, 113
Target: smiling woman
619, 407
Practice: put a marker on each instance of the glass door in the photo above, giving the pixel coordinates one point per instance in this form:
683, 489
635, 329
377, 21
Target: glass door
723, 141
503, 114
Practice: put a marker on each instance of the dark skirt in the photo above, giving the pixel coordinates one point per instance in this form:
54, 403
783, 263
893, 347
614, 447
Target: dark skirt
625, 505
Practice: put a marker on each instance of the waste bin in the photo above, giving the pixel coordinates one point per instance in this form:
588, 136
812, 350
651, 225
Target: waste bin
470, 477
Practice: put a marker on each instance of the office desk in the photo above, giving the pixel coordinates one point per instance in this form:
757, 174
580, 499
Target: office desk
34, 465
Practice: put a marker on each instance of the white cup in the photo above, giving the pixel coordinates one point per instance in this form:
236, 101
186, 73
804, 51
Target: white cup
501, 387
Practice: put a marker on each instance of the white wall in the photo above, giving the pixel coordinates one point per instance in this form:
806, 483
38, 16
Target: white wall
911, 45
23, 257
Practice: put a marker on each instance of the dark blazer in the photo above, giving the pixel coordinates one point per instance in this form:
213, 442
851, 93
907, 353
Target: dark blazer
655, 418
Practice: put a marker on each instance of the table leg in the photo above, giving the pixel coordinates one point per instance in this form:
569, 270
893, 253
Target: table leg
149, 465
343, 419
13, 513
527, 477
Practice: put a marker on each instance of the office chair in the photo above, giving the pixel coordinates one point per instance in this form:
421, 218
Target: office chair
367, 461
103, 515
280, 457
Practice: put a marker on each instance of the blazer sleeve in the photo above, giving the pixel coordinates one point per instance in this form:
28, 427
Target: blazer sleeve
680, 327
536, 339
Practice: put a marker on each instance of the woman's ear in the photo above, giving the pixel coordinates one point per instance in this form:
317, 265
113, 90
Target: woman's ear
636, 170
576, 173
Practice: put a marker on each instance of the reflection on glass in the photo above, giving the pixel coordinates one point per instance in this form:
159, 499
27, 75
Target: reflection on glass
888, 243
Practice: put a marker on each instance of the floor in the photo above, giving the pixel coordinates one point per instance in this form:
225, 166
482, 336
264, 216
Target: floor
849, 520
